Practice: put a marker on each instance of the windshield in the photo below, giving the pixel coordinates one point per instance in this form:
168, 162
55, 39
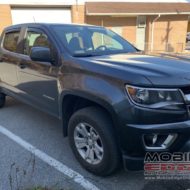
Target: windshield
91, 40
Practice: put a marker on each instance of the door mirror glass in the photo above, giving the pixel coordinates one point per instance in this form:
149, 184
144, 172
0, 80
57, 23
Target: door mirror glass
42, 54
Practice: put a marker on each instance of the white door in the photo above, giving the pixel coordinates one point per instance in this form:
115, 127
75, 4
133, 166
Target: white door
47, 15
140, 33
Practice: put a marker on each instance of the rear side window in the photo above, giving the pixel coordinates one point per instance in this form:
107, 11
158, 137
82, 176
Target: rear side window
11, 40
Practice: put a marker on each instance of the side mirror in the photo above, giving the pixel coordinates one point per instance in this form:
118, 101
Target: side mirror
40, 54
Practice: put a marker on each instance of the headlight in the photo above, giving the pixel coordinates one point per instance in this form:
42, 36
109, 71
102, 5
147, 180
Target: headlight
155, 98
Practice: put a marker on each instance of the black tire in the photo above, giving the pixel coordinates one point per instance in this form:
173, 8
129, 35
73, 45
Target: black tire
2, 100
100, 121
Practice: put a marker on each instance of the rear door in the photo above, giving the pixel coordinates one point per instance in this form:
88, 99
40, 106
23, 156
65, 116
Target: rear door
38, 80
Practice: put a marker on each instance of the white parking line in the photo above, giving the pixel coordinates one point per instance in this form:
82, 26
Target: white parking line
75, 176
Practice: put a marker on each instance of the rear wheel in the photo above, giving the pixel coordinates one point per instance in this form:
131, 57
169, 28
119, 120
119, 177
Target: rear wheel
93, 141
2, 100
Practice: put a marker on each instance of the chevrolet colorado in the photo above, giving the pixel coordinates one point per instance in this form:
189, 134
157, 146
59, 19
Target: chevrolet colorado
115, 103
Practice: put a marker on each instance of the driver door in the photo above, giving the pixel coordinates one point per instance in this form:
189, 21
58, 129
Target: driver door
38, 80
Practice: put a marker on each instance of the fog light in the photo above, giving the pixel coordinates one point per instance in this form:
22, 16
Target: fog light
158, 141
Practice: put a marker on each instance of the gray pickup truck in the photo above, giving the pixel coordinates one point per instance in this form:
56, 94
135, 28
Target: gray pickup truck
115, 103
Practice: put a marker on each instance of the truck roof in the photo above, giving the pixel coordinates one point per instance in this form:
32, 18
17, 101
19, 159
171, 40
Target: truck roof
45, 24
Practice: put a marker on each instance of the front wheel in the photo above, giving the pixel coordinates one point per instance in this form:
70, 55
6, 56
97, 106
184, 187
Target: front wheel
2, 100
93, 141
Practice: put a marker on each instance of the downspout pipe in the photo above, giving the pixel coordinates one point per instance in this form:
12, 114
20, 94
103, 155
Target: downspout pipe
152, 32
77, 11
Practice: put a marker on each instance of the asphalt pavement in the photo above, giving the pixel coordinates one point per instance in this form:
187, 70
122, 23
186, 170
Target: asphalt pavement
21, 169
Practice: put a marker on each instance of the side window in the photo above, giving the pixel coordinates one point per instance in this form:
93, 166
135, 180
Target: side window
35, 39
10, 41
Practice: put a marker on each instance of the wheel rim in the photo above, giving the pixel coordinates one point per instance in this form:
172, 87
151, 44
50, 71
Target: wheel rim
88, 143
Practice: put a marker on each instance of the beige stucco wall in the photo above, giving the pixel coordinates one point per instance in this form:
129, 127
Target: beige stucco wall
169, 32
78, 14
5, 16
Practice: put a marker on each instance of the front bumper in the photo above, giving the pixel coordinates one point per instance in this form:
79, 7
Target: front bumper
134, 148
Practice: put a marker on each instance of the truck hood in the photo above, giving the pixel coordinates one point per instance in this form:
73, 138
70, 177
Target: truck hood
159, 71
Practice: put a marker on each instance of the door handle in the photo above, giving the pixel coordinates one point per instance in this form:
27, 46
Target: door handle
22, 66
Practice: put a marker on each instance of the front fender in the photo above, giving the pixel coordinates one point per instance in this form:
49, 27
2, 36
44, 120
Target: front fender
106, 92
87, 96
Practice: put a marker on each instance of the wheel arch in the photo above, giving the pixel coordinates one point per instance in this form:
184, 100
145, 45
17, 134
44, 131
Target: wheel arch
72, 101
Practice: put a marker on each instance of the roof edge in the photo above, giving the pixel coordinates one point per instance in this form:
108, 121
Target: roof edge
135, 14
